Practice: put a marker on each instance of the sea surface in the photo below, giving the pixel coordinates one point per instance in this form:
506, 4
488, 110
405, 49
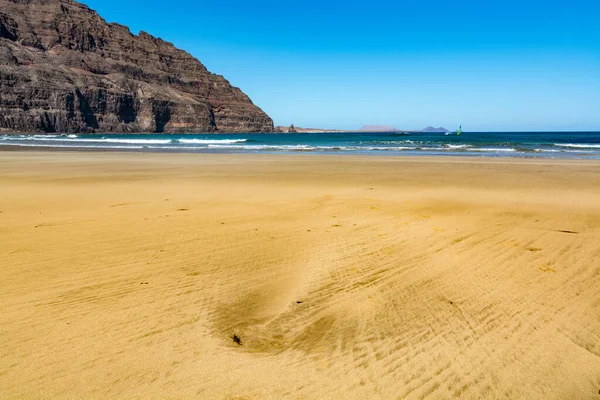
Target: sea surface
584, 145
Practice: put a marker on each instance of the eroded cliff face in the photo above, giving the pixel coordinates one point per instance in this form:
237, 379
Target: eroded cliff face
64, 69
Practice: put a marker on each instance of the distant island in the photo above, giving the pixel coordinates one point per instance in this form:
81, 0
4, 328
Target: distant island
431, 129
387, 128
297, 129
366, 128
378, 128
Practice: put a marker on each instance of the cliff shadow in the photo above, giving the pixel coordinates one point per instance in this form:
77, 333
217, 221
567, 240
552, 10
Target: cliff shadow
86, 111
127, 109
162, 115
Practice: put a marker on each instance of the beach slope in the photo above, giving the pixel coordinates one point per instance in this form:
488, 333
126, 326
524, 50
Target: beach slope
267, 276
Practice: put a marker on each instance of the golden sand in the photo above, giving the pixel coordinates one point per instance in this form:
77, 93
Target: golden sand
128, 275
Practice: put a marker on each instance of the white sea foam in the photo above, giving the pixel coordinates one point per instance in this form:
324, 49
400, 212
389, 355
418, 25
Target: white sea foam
391, 142
212, 141
75, 138
301, 147
132, 141
566, 150
458, 146
578, 146
295, 147
495, 150
73, 146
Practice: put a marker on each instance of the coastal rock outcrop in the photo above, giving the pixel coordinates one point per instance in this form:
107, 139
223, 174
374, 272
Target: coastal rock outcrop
65, 69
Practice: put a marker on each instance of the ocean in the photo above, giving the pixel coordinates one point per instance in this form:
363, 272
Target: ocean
583, 145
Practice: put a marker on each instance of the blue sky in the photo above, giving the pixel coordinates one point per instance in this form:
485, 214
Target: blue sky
488, 65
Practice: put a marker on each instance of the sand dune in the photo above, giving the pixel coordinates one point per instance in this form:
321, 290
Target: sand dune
128, 275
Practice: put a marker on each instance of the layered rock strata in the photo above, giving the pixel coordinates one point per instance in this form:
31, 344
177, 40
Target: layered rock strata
65, 69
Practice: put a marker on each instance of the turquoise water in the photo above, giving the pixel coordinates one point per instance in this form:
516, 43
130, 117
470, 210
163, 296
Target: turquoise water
490, 144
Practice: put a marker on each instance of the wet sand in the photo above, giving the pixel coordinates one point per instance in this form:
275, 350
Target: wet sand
267, 276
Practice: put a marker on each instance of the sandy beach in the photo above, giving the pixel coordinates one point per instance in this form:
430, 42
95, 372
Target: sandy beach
154, 276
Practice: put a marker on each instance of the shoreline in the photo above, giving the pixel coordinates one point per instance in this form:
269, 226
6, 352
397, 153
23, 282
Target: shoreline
383, 154
553, 145
283, 156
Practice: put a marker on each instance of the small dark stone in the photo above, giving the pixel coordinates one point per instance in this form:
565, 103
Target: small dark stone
236, 339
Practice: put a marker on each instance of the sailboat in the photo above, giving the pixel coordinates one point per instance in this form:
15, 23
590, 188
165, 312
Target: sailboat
457, 132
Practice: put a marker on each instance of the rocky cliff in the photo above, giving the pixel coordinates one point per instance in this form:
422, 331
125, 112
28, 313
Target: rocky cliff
64, 69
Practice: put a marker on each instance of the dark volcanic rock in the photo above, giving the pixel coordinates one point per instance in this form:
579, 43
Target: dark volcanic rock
64, 69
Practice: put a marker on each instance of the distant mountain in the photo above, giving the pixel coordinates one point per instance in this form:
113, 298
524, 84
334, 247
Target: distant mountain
431, 129
378, 128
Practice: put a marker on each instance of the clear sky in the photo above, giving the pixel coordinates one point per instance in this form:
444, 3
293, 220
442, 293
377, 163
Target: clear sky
485, 64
